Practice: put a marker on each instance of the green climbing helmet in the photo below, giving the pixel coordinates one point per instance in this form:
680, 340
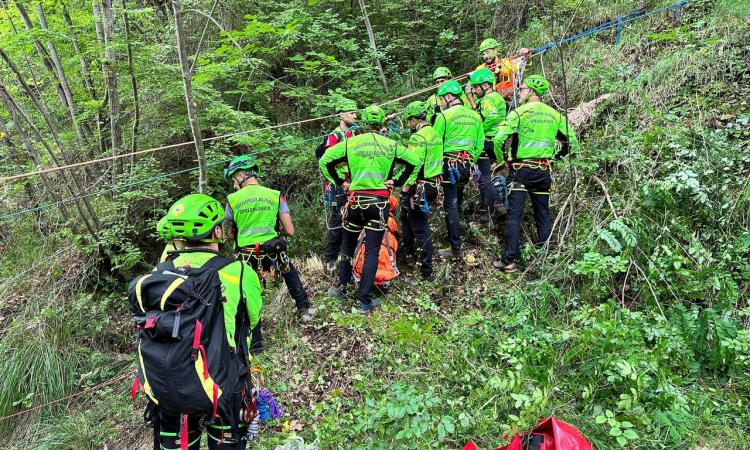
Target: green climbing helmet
488, 44
537, 83
416, 109
442, 72
373, 115
163, 229
345, 105
449, 87
193, 217
242, 162
482, 76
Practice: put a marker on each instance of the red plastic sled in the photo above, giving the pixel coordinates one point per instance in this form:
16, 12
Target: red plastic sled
549, 434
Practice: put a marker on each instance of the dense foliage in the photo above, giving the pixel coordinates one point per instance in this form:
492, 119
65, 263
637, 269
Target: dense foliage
633, 326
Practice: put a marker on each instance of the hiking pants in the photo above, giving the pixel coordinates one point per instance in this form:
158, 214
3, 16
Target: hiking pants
167, 434
415, 228
453, 201
369, 214
338, 201
536, 184
487, 193
291, 279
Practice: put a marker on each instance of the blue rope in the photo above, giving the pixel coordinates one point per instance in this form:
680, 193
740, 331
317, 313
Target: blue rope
617, 23
120, 187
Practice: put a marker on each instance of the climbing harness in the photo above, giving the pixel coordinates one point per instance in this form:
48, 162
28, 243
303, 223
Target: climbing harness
359, 200
279, 262
455, 162
540, 164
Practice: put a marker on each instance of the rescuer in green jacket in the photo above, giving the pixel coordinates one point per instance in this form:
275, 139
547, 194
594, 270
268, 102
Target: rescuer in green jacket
440, 76
462, 136
491, 108
371, 159
422, 188
255, 217
534, 129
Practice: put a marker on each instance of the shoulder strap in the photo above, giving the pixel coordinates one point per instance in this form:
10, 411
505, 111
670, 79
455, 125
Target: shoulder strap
218, 262
346, 156
167, 264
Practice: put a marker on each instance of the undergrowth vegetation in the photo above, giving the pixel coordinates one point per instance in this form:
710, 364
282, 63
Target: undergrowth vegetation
633, 326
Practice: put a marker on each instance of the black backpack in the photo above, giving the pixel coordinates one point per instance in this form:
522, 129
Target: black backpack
185, 364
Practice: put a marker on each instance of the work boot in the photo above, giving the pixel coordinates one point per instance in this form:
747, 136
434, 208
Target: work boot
444, 252
454, 253
306, 315
428, 278
337, 292
366, 308
484, 216
507, 267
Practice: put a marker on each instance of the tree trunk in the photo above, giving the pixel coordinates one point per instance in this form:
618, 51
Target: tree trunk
42, 52
25, 57
53, 132
63, 80
194, 64
133, 82
42, 110
373, 46
72, 183
34, 157
188, 87
108, 68
15, 157
86, 77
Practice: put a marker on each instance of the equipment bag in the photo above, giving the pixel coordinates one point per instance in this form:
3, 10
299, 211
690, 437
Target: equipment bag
387, 269
549, 434
185, 363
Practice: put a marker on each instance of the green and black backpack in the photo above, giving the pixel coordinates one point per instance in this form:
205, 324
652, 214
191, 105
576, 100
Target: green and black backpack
186, 366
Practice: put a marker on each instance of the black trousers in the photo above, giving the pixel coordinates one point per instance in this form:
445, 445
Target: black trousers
167, 434
368, 214
487, 193
415, 229
534, 183
291, 279
334, 232
453, 200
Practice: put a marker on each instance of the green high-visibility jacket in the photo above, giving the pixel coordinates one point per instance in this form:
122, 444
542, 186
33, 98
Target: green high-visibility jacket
433, 106
429, 149
371, 160
256, 212
231, 288
536, 128
460, 130
492, 109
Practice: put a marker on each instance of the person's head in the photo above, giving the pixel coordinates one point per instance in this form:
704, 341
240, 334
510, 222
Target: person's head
488, 50
373, 117
347, 111
242, 169
414, 114
533, 88
441, 75
482, 82
449, 94
196, 219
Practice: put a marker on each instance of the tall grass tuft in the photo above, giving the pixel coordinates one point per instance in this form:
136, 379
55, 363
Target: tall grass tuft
39, 364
